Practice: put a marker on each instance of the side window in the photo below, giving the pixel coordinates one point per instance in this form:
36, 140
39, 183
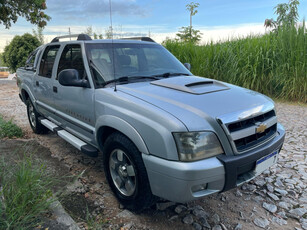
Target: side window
71, 58
46, 65
31, 59
37, 58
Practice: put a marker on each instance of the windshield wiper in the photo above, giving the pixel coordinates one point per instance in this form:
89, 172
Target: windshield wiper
128, 78
169, 74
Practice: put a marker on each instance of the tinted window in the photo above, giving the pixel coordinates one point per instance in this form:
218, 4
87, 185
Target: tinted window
46, 65
71, 58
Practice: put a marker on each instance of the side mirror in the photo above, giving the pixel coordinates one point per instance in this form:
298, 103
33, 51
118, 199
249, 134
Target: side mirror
70, 77
187, 65
29, 67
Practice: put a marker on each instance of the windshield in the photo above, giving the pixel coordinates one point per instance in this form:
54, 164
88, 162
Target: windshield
130, 61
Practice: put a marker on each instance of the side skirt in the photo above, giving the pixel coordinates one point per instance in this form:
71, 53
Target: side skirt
73, 140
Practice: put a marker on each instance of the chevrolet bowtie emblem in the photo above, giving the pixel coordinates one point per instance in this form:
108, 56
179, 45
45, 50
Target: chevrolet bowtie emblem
260, 128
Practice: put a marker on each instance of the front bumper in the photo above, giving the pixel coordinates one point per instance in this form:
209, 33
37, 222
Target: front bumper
185, 181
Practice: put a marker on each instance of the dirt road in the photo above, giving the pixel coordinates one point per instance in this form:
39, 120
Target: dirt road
275, 200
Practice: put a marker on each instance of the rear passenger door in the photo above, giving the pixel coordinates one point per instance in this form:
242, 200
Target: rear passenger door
43, 86
75, 105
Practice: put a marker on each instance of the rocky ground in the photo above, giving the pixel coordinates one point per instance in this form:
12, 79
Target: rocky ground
277, 199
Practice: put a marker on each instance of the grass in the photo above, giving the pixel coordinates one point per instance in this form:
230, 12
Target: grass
25, 193
9, 129
274, 64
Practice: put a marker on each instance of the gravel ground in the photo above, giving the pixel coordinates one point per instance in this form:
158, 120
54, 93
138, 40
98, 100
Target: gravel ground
277, 199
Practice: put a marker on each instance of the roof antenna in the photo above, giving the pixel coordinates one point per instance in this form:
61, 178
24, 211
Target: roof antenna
110, 4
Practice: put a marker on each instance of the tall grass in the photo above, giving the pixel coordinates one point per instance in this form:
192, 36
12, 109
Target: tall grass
274, 64
25, 194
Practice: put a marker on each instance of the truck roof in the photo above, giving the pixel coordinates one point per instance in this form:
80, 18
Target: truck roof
87, 39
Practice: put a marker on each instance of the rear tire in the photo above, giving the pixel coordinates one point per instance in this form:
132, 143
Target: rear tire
126, 173
33, 115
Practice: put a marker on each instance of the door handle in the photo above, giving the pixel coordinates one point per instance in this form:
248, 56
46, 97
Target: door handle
37, 83
55, 89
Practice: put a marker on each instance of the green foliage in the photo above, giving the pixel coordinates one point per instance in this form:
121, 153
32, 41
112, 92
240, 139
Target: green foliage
15, 54
274, 64
1, 60
25, 194
38, 33
187, 34
31, 10
192, 8
287, 15
9, 129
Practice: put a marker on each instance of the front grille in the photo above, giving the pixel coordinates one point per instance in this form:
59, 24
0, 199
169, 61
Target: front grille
253, 140
243, 133
236, 126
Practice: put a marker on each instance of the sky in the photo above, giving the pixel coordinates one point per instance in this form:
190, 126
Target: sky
218, 20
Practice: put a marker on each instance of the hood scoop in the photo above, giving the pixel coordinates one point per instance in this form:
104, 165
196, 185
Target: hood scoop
193, 85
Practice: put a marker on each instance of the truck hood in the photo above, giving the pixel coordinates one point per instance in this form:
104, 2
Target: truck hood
198, 102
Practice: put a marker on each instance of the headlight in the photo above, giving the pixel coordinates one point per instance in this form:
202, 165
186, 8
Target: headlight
194, 146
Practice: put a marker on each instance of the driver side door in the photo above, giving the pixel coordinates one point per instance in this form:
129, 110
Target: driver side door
75, 105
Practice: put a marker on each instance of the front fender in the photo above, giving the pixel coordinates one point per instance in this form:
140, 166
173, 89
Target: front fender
123, 127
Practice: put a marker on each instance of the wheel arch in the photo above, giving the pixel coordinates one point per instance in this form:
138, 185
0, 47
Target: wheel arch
106, 125
27, 94
24, 94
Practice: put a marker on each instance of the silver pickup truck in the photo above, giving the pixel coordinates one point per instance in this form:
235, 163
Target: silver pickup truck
163, 132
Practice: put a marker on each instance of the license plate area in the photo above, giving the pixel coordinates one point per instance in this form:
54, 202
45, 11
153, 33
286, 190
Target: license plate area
266, 162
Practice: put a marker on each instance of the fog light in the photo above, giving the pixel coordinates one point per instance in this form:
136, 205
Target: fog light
200, 187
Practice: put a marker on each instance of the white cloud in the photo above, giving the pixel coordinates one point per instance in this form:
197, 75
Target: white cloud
214, 34
219, 33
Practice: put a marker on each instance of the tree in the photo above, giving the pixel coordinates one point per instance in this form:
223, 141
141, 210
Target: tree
192, 8
1, 61
109, 32
31, 10
188, 34
287, 15
38, 33
15, 54
90, 32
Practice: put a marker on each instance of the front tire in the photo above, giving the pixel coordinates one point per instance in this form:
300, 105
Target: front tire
33, 115
126, 173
